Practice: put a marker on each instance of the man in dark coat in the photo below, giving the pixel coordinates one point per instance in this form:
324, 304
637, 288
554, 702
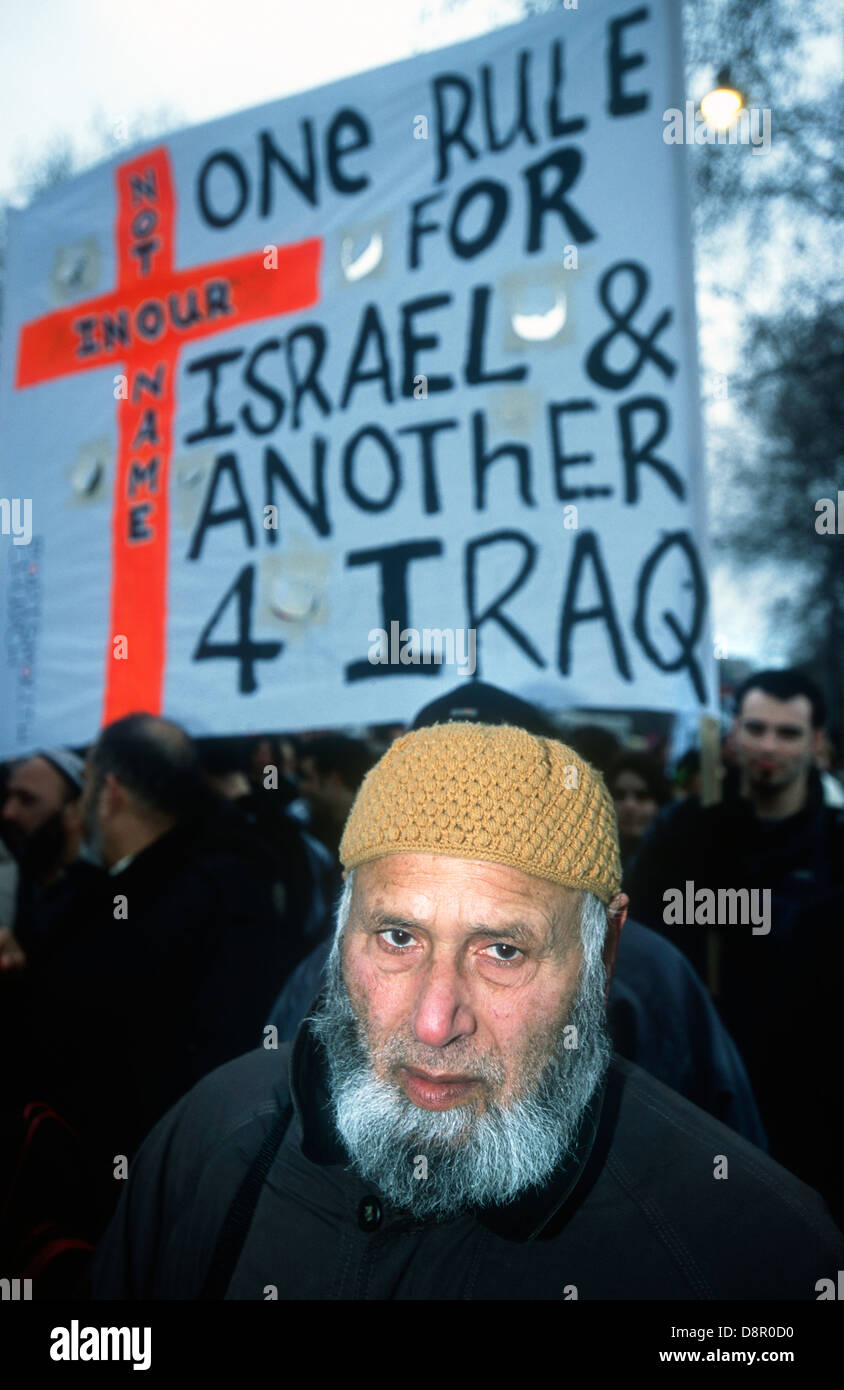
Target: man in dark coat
171, 971
774, 840
308, 875
451, 1123
41, 824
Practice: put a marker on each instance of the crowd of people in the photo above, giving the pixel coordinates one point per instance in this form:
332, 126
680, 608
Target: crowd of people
168, 905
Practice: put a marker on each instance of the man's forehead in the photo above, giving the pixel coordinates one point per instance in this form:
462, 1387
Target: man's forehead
758, 705
36, 775
441, 889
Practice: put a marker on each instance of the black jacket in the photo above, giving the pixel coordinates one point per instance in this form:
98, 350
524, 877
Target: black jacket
800, 858
169, 975
638, 1213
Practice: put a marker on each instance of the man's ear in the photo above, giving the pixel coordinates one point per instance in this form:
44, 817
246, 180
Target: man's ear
115, 796
616, 917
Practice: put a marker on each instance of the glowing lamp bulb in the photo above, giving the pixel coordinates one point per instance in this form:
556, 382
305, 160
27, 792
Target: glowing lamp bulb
720, 107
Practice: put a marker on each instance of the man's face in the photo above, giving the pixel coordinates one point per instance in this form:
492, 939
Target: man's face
34, 794
261, 755
461, 973
634, 805
457, 1030
310, 782
324, 792
774, 740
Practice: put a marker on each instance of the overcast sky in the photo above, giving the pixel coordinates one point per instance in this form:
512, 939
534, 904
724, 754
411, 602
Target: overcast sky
66, 63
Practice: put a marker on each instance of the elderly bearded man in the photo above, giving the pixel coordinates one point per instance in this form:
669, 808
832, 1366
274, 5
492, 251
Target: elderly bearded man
450, 1123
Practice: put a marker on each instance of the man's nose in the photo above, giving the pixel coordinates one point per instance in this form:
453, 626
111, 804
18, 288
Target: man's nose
769, 741
443, 1011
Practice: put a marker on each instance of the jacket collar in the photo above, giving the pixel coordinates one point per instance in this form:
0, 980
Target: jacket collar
156, 858
308, 1083
535, 1213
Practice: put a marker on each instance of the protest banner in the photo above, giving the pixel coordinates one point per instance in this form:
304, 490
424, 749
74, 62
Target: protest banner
317, 407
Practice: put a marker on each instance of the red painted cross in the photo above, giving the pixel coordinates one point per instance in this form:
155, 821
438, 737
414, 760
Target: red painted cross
141, 326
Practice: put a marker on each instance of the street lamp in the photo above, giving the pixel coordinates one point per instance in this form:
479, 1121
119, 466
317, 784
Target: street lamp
721, 106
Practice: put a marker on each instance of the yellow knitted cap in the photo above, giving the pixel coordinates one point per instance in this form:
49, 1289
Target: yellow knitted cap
489, 792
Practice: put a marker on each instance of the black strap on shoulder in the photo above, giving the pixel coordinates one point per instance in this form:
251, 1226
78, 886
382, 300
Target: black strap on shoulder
239, 1216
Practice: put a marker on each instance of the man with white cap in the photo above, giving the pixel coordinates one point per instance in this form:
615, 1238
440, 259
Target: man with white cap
42, 826
450, 1123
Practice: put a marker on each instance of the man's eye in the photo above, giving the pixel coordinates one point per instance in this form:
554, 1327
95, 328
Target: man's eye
396, 933
507, 954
